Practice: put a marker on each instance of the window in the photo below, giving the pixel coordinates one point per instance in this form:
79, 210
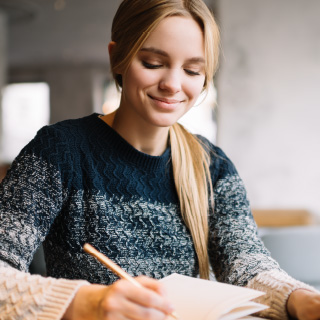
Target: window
25, 109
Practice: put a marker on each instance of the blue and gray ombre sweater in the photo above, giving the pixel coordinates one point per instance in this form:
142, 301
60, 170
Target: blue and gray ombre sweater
78, 181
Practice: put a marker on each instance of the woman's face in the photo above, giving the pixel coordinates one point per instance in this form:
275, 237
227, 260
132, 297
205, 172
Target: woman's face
167, 75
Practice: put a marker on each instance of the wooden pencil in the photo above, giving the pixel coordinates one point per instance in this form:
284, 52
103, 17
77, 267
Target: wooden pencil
114, 267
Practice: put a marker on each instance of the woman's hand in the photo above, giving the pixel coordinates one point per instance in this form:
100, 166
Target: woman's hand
304, 305
121, 300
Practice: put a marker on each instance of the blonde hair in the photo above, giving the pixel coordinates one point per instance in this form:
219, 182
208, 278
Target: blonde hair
132, 24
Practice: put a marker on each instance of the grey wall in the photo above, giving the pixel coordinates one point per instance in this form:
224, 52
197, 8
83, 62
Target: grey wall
63, 43
3, 59
269, 99
77, 33
3, 47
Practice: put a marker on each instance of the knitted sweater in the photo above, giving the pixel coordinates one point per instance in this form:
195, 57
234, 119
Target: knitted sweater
79, 181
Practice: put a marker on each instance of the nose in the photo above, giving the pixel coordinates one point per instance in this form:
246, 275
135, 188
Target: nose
171, 81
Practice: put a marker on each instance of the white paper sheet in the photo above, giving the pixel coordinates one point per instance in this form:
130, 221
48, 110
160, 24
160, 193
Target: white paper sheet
197, 299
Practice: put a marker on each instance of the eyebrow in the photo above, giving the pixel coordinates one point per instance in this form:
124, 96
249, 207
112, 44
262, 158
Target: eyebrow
165, 54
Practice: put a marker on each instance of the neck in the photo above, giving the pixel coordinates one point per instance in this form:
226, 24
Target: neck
147, 139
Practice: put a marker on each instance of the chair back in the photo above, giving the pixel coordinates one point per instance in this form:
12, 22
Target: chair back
297, 250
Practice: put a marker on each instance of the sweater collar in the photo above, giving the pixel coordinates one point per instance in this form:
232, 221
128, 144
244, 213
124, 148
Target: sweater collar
125, 150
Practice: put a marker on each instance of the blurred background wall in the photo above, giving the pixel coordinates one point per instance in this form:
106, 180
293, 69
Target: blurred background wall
268, 97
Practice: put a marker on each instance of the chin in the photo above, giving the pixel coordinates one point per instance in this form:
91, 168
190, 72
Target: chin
164, 123
164, 120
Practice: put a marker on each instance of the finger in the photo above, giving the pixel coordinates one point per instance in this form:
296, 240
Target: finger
138, 312
113, 305
147, 296
133, 302
153, 284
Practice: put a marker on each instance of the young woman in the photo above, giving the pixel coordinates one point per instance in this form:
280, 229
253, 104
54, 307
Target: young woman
137, 186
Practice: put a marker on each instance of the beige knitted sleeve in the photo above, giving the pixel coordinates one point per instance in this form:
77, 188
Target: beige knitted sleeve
277, 285
29, 297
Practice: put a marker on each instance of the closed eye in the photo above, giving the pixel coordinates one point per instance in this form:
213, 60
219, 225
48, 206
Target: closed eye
192, 73
151, 66
158, 66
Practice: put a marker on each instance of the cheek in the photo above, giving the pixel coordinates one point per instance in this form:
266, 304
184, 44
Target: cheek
141, 77
194, 88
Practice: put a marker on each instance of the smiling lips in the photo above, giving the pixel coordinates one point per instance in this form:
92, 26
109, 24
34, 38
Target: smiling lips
165, 102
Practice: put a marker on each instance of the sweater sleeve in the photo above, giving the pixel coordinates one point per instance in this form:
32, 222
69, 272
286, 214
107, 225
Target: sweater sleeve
28, 297
277, 285
31, 196
237, 254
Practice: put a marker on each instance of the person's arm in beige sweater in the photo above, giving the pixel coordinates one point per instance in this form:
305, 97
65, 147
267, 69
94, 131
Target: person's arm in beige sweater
27, 297
278, 287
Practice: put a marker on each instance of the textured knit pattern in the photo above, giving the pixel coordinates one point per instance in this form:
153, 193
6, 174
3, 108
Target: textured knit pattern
78, 181
27, 297
278, 287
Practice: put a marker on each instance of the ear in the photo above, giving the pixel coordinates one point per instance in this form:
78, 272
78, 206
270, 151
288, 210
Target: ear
111, 46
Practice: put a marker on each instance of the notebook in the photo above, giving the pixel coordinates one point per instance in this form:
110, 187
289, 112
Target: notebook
198, 299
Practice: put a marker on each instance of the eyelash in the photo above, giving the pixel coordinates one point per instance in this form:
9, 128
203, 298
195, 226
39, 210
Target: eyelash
192, 73
151, 66
158, 66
